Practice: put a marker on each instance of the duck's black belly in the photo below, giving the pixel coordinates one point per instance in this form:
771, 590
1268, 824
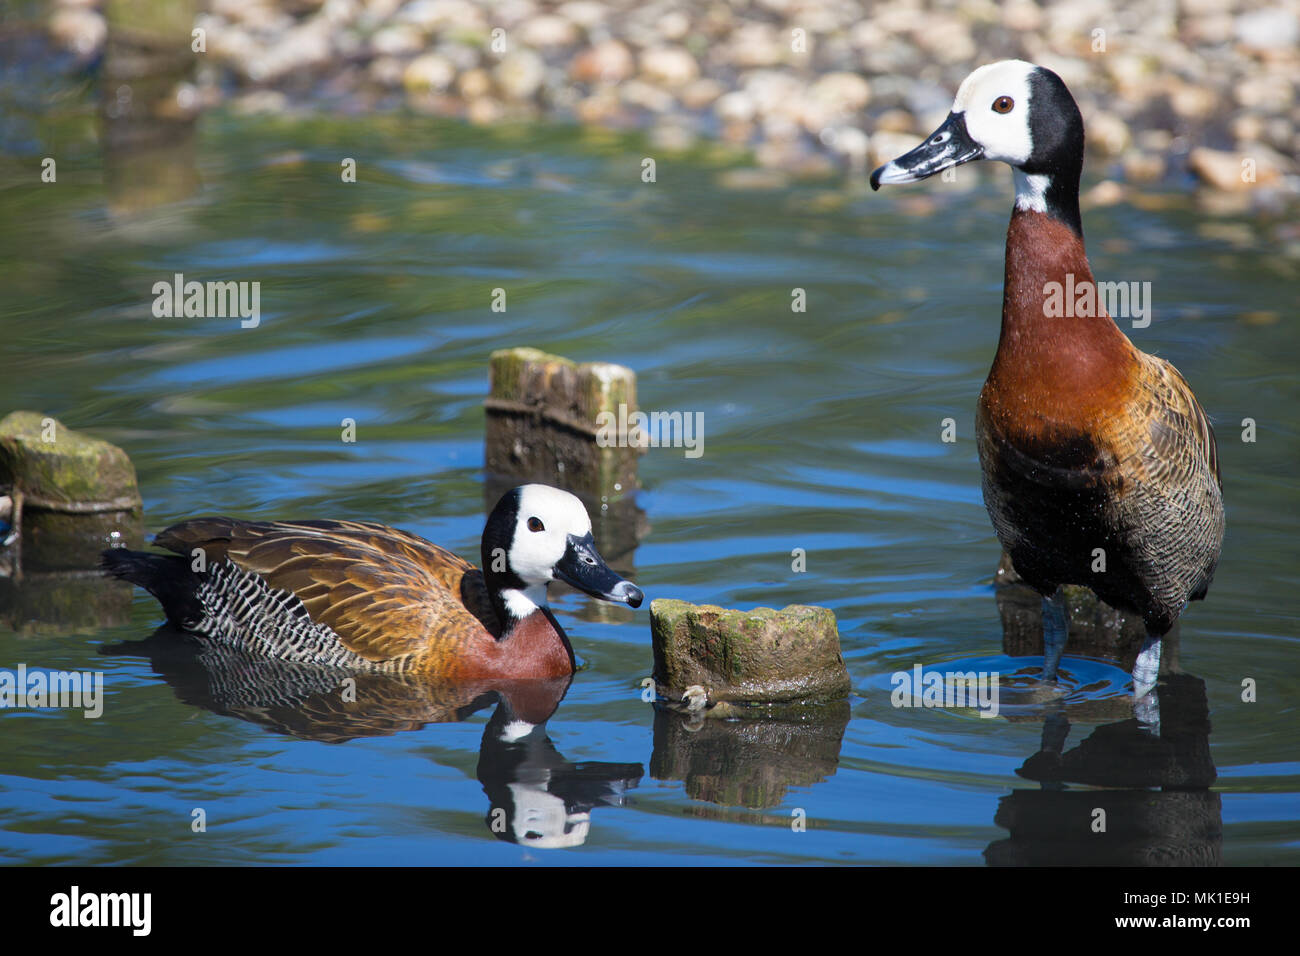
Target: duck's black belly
1066, 514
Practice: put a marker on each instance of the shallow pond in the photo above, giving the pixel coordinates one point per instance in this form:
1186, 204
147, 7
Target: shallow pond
822, 432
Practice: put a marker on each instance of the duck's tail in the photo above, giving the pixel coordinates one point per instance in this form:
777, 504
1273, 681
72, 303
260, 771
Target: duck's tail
167, 577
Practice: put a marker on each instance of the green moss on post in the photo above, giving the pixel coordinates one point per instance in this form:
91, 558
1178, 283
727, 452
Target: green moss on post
544, 422
73, 495
71, 472
763, 656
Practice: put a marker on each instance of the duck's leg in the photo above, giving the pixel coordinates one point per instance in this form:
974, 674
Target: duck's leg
1056, 728
1056, 629
1146, 673
1146, 669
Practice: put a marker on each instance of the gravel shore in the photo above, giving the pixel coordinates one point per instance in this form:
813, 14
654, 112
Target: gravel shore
1168, 88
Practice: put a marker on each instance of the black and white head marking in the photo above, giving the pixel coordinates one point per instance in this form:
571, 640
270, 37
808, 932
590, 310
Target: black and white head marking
535, 535
1015, 112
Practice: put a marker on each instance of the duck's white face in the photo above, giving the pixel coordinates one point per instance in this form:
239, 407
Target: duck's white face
550, 538
546, 518
991, 119
995, 102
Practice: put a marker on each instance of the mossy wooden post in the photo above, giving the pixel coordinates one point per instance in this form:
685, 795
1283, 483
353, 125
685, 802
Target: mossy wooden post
728, 660
544, 423
751, 702
1096, 628
72, 495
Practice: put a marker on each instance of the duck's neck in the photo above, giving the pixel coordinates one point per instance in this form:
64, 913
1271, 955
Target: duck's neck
515, 602
534, 647
1054, 193
1055, 333
530, 642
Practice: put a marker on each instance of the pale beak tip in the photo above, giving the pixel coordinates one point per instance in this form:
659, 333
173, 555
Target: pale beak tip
630, 593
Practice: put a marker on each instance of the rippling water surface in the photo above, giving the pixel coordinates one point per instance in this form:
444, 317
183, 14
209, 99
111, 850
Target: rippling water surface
821, 432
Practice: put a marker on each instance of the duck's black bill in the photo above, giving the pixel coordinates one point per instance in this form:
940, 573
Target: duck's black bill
582, 567
949, 145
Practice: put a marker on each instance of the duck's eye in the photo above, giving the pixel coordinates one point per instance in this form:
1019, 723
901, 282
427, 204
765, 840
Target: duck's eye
535, 524
1003, 104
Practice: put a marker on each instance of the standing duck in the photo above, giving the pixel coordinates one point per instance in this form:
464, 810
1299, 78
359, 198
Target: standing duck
1099, 466
365, 596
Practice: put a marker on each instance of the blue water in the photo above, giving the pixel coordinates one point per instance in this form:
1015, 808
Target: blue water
821, 433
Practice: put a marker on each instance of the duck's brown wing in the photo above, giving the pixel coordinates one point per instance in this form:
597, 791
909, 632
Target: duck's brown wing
1180, 439
1172, 497
384, 592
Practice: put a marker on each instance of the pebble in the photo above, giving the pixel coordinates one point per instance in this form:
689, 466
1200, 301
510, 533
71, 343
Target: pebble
429, 72
483, 111
646, 96
1192, 101
850, 143
599, 109
1022, 15
607, 62
757, 44
1227, 171
1264, 93
436, 15
548, 30
386, 71
401, 39
843, 92
584, 13
519, 75
1109, 132
669, 65
701, 93
1273, 28
735, 107
674, 25
948, 41
1143, 167
1105, 193
474, 84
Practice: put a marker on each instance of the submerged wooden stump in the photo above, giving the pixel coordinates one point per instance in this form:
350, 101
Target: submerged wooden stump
71, 495
718, 661
1096, 629
553, 420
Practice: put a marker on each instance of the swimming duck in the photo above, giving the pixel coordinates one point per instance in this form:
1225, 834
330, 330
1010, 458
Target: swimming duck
1085, 442
366, 596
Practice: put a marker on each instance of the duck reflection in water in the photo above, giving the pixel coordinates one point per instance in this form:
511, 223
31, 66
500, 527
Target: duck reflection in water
537, 797
1158, 812
540, 799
